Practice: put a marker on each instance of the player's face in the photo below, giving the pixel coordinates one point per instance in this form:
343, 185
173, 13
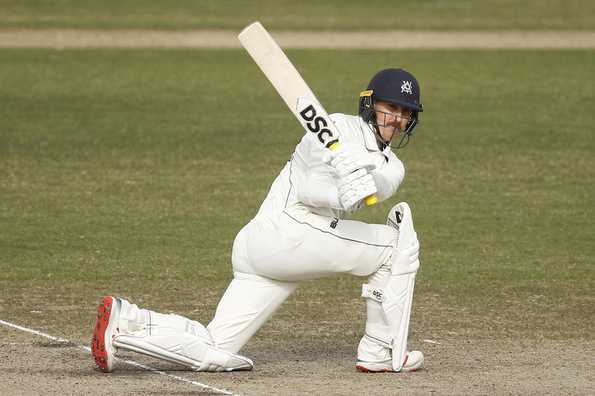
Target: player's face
391, 119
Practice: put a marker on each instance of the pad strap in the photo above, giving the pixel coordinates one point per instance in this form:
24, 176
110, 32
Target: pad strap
378, 340
373, 293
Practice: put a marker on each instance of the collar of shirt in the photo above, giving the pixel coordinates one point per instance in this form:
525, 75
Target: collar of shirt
369, 136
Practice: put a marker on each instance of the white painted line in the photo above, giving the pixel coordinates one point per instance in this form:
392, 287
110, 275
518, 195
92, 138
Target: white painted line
39, 333
392, 39
431, 341
126, 361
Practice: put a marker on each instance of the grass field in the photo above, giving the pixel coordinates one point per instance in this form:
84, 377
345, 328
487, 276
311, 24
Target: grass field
130, 172
304, 15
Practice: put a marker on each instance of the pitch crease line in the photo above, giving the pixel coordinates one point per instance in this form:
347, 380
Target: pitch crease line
126, 361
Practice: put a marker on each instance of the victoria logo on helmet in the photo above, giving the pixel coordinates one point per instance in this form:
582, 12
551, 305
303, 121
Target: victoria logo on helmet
407, 87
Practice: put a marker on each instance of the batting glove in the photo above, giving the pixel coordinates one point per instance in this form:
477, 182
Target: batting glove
350, 157
354, 187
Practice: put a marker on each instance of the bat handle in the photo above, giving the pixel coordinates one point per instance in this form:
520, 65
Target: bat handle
370, 200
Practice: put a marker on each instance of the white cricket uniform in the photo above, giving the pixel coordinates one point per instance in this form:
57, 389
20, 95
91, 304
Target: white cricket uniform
300, 233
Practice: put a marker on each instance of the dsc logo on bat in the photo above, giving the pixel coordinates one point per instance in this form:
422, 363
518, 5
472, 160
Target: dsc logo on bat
315, 123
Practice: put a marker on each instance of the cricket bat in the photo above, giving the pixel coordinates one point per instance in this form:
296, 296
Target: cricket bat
290, 85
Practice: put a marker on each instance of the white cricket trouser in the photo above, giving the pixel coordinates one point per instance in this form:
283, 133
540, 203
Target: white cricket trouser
272, 253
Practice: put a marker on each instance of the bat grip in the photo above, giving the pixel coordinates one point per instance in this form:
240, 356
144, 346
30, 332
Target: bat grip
370, 200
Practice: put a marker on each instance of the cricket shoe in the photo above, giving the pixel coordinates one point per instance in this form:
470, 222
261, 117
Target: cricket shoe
106, 328
414, 361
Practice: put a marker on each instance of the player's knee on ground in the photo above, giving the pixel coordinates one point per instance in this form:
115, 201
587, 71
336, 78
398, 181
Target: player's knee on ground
173, 338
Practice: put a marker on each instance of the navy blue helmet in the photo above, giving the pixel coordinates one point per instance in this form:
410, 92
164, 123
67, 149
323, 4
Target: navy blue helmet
395, 86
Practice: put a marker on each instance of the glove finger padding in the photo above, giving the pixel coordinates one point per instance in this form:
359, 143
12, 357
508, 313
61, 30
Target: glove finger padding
345, 164
352, 176
355, 187
349, 158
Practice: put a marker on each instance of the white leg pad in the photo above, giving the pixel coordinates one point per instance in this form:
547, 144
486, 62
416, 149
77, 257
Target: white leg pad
396, 299
398, 310
398, 292
175, 339
396, 295
376, 344
186, 350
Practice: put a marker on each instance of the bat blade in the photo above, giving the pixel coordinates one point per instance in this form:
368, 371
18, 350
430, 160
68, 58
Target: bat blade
275, 65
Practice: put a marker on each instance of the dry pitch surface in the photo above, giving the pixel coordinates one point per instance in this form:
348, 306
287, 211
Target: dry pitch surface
459, 364
35, 365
